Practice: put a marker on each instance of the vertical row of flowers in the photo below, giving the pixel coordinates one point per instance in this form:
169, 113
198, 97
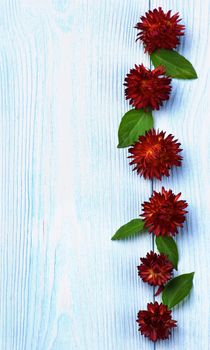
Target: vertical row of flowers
152, 154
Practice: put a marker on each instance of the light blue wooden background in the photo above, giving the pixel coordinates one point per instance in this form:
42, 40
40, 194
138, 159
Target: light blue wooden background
65, 187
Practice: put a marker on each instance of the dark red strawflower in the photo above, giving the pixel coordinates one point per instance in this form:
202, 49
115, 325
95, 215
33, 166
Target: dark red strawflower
155, 269
156, 322
147, 88
159, 30
164, 213
154, 154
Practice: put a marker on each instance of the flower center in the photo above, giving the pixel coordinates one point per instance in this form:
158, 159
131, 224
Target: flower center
151, 151
166, 211
162, 26
145, 83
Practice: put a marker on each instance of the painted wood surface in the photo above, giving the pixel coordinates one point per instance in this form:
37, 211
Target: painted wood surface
65, 187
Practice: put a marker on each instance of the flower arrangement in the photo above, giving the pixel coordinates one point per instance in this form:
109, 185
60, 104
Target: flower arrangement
153, 154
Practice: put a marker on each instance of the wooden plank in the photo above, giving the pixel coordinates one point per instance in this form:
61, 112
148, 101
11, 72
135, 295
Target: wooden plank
186, 115
65, 187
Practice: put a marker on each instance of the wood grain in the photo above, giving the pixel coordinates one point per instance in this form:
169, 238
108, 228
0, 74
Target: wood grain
186, 115
65, 187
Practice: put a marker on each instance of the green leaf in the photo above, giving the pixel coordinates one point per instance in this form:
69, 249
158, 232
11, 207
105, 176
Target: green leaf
133, 124
177, 289
131, 228
176, 65
167, 246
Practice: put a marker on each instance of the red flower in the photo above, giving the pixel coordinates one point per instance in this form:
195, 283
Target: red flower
155, 269
156, 322
147, 88
164, 213
154, 154
159, 30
